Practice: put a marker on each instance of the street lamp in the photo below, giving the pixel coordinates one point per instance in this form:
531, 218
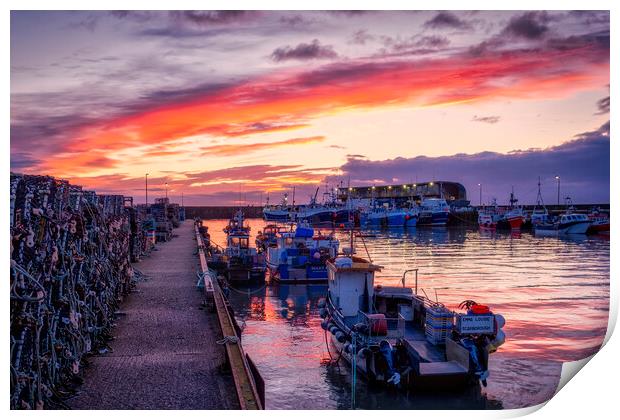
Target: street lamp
146, 189
558, 179
480, 186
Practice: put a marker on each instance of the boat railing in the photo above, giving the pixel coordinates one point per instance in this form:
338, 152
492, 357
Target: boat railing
382, 328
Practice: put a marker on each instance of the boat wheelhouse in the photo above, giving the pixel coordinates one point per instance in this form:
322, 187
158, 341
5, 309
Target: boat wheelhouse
299, 255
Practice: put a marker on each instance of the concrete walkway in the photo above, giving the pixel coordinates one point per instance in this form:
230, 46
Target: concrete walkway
164, 354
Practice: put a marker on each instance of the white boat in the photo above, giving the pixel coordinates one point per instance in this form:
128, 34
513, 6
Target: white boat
567, 224
394, 336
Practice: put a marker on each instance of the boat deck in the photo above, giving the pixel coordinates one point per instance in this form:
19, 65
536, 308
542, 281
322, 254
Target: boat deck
416, 341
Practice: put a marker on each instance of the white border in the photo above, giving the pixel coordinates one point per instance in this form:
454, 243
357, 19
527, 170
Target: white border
592, 395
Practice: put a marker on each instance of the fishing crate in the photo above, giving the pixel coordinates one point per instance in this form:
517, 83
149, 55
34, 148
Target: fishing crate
438, 324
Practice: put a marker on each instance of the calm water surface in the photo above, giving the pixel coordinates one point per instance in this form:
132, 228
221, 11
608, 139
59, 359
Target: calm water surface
553, 292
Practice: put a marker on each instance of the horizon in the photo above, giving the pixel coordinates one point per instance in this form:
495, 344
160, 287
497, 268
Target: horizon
233, 106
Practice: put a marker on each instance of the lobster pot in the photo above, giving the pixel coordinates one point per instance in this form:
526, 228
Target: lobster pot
438, 324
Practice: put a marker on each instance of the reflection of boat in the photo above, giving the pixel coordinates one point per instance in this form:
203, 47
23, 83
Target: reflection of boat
433, 212
242, 262
568, 223
392, 335
299, 255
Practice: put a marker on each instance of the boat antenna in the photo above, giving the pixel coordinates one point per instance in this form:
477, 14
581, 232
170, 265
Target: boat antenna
539, 199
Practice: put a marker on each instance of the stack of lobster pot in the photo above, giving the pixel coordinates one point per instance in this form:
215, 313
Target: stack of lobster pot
70, 267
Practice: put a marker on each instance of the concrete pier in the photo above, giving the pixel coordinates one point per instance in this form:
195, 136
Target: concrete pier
165, 354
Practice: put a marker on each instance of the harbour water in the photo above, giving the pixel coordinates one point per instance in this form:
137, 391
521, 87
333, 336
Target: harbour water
553, 292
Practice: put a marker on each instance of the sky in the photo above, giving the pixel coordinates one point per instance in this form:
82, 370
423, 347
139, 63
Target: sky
232, 107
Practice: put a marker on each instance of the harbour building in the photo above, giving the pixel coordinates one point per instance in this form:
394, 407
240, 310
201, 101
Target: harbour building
453, 192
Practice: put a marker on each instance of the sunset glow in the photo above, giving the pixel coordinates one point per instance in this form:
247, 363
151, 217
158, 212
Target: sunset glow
215, 108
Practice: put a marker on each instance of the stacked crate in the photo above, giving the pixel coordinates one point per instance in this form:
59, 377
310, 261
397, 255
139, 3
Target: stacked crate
438, 324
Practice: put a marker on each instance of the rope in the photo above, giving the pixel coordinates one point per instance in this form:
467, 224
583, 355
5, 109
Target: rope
229, 339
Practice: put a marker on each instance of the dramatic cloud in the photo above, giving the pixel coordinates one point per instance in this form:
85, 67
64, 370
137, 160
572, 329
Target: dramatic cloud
361, 37
296, 97
492, 119
303, 51
104, 95
530, 25
242, 149
443, 20
583, 164
603, 105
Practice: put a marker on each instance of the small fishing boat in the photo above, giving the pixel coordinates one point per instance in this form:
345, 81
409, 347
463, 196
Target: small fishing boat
300, 256
567, 224
394, 336
433, 212
513, 218
387, 216
243, 264
486, 220
600, 221
267, 237
279, 213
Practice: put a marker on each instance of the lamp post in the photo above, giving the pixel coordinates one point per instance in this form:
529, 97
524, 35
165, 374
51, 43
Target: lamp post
480, 188
146, 190
558, 179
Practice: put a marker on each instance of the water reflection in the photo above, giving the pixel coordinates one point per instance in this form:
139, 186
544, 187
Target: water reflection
553, 291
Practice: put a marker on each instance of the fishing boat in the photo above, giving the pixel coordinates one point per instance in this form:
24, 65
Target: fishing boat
387, 216
567, 224
300, 256
243, 264
279, 213
433, 212
267, 237
486, 220
600, 221
513, 217
539, 213
394, 336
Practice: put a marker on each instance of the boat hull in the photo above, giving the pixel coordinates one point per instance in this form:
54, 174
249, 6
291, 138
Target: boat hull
433, 219
311, 273
575, 228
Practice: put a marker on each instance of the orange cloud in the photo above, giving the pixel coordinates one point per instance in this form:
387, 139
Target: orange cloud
294, 96
239, 149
